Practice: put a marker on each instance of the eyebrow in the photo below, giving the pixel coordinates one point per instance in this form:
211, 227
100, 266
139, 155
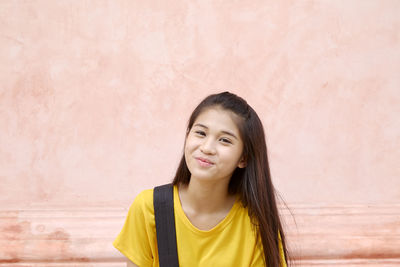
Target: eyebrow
225, 132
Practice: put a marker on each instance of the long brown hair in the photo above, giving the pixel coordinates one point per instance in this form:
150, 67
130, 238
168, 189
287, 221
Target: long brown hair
253, 183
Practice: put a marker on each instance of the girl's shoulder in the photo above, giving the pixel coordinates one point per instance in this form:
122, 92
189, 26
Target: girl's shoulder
143, 202
145, 195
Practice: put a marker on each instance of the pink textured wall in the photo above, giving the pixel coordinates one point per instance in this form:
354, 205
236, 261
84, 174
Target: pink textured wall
95, 95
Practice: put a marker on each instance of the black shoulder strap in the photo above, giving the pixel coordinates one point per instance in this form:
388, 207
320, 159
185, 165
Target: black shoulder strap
163, 200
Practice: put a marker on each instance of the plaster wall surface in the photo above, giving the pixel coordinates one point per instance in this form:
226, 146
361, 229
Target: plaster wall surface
95, 97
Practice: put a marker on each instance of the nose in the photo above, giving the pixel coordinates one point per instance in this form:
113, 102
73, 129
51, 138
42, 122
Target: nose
207, 147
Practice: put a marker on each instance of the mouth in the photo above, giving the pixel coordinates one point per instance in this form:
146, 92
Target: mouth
204, 162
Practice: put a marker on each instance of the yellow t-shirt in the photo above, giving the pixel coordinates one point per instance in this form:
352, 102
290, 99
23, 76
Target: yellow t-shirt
231, 242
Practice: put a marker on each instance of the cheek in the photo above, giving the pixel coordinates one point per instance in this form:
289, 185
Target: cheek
189, 146
190, 143
233, 157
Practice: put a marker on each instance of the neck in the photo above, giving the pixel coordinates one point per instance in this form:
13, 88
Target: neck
206, 197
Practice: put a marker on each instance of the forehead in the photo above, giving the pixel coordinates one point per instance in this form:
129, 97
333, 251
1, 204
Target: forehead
218, 119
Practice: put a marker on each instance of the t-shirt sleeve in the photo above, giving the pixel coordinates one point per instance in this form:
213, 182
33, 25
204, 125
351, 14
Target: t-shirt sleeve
282, 254
136, 237
258, 259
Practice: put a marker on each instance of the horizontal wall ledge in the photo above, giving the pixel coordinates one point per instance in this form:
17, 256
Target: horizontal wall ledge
352, 263
317, 235
343, 232
65, 264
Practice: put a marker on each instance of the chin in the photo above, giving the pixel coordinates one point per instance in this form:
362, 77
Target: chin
201, 176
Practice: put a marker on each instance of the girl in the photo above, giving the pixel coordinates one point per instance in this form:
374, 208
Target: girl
224, 201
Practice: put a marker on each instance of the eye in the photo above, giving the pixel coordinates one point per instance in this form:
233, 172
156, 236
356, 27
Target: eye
226, 140
200, 133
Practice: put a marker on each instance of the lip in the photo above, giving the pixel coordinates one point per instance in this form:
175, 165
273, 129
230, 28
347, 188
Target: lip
204, 160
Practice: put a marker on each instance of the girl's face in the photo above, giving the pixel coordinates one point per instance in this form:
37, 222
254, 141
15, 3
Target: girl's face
213, 147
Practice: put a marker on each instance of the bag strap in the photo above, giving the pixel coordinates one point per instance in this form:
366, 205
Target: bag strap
163, 198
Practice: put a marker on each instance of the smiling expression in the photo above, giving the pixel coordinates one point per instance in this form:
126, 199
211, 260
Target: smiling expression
213, 147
